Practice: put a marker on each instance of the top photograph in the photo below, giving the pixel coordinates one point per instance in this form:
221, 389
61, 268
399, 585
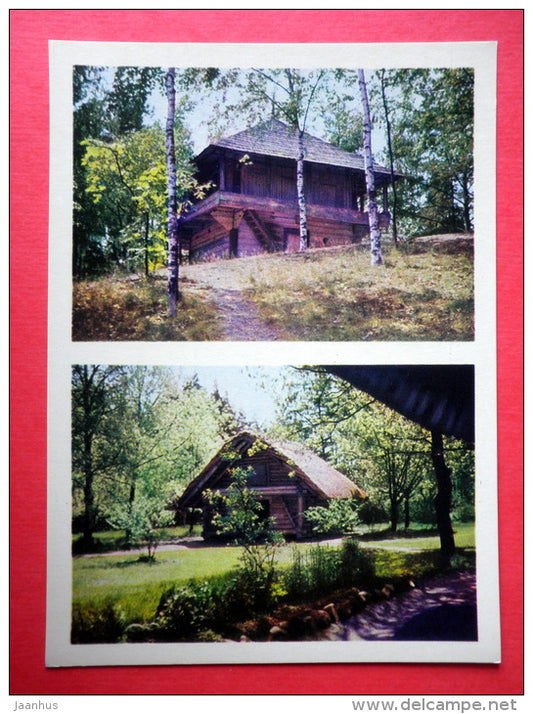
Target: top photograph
272, 204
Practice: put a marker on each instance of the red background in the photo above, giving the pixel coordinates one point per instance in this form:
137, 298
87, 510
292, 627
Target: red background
30, 31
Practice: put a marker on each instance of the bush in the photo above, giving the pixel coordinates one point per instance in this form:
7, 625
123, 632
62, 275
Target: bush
322, 569
464, 513
186, 611
338, 517
90, 625
356, 564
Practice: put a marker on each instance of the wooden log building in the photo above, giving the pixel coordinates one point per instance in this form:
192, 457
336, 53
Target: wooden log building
287, 477
251, 206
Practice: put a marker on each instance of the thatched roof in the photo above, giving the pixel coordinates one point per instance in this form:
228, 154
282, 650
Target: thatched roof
317, 474
438, 397
274, 138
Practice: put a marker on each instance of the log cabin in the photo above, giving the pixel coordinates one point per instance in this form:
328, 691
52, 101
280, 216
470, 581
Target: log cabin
251, 206
287, 477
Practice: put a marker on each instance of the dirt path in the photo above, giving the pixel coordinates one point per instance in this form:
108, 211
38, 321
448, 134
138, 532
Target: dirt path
239, 317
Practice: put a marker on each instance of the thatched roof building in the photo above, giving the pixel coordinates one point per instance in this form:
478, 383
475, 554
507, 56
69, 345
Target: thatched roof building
287, 477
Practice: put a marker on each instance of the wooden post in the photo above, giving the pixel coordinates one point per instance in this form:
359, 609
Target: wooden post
300, 508
221, 174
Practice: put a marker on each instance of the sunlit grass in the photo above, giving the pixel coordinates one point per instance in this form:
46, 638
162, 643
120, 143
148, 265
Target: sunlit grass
125, 309
337, 295
464, 536
421, 292
134, 586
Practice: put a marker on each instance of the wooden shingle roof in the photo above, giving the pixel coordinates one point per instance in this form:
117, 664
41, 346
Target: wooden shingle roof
274, 138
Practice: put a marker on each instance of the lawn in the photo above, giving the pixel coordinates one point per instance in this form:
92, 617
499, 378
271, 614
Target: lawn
134, 586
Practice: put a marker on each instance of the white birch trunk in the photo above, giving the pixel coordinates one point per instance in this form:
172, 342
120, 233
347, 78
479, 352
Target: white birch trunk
375, 236
173, 238
302, 207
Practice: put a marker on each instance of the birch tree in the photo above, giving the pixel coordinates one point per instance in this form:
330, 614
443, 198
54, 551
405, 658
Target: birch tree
390, 153
172, 215
375, 236
288, 94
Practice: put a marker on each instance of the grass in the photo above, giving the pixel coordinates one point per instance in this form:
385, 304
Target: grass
464, 535
136, 309
423, 291
134, 586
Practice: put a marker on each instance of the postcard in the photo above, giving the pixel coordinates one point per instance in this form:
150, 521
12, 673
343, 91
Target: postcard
272, 354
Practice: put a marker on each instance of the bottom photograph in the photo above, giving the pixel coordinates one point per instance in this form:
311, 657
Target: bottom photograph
273, 504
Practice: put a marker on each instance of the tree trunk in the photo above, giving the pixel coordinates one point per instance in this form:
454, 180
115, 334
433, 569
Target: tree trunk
394, 515
466, 208
407, 514
88, 495
173, 238
375, 236
302, 208
391, 159
443, 500
146, 237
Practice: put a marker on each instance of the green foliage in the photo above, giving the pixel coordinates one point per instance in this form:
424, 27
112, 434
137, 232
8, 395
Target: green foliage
96, 625
340, 516
432, 121
184, 612
126, 179
322, 569
142, 521
239, 514
385, 454
138, 436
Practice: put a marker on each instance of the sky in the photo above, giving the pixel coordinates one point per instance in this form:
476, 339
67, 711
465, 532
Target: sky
251, 389
197, 119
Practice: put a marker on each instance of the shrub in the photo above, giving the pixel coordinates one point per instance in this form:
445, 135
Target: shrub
464, 513
91, 625
338, 517
186, 611
322, 569
142, 521
239, 515
356, 564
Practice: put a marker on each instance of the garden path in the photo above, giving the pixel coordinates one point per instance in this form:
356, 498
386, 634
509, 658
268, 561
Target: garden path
441, 608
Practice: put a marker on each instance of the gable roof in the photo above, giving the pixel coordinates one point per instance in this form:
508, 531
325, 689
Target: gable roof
274, 138
320, 476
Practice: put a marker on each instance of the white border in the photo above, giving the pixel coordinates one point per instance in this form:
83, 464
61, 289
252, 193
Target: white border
63, 352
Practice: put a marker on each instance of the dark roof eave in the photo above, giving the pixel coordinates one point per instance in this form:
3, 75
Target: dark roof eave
381, 172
